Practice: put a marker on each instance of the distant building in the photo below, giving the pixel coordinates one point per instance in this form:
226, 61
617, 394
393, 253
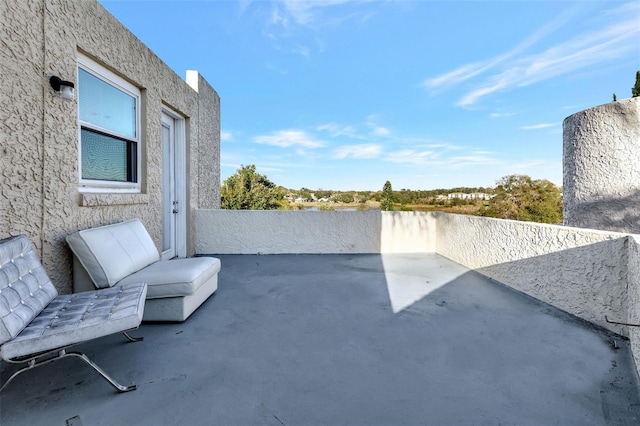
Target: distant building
472, 196
457, 195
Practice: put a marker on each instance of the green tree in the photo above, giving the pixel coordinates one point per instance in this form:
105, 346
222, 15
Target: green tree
519, 197
304, 193
249, 190
386, 200
342, 197
635, 90
326, 207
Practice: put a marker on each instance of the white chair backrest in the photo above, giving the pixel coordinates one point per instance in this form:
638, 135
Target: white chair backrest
110, 253
25, 288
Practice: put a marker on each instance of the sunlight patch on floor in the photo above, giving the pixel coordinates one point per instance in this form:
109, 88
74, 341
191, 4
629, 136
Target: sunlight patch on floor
408, 285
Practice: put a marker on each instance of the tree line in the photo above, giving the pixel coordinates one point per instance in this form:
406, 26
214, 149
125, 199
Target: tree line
517, 197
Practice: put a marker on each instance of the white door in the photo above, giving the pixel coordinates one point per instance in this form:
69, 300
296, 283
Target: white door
173, 197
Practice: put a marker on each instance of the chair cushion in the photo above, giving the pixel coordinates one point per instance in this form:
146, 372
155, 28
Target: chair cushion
78, 317
110, 253
25, 288
177, 277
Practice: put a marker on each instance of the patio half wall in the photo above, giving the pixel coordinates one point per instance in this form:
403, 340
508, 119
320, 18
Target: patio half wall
591, 274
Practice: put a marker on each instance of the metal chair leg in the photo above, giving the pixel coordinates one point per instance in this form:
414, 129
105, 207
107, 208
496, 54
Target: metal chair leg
86, 359
62, 353
132, 339
32, 364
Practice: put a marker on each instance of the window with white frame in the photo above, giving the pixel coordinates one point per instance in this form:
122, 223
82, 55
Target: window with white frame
109, 130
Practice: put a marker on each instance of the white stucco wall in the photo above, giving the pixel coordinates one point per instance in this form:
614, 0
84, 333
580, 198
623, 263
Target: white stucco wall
275, 231
601, 184
581, 271
407, 232
634, 297
39, 193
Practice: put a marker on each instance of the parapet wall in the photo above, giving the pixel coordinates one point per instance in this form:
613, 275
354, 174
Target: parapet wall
581, 271
318, 232
633, 280
601, 184
588, 273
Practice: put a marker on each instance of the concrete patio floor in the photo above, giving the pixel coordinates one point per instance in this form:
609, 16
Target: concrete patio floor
344, 340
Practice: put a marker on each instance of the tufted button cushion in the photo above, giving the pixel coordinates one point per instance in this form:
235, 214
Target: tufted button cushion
25, 288
74, 318
110, 253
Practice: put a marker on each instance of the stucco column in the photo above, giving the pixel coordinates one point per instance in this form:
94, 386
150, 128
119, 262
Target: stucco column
602, 167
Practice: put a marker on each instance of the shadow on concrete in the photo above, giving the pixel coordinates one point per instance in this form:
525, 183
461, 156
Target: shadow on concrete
587, 281
337, 339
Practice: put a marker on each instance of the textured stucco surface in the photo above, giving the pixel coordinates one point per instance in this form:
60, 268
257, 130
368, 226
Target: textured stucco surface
21, 200
205, 156
602, 167
634, 297
275, 232
407, 232
39, 153
583, 272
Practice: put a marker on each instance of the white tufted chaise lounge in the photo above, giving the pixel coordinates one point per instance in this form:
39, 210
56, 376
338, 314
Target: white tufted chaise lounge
124, 253
37, 325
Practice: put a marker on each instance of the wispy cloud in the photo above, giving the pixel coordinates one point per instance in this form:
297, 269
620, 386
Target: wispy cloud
311, 13
367, 130
336, 130
266, 169
515, 69
501, 114
381, 131
367, 151
411, 156
468, 71
538, 126
527, 165
300, 18
441, 158
226, 136
474, 158
289, 138
302, 50
375, 128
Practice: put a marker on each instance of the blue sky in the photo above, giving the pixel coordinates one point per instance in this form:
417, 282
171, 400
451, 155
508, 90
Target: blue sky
345, 95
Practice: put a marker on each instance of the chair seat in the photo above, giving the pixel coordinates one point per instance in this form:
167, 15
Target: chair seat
73, 318
175, 278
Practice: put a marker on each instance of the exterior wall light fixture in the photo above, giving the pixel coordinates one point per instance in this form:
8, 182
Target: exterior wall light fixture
64, 89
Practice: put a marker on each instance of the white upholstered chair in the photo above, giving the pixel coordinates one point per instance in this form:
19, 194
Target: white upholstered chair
37, 325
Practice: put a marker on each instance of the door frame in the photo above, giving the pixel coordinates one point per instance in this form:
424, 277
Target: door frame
180, 178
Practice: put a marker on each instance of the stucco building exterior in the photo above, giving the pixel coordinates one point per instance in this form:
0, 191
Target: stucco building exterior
602, 167
135, 141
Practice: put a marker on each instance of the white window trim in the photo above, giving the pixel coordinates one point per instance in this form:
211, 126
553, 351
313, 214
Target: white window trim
99, 186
